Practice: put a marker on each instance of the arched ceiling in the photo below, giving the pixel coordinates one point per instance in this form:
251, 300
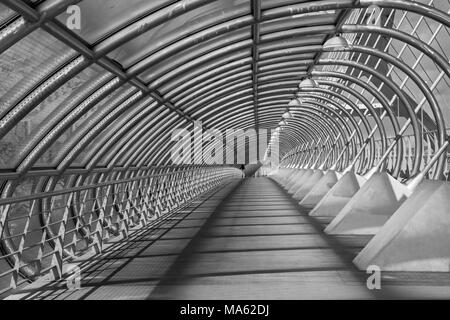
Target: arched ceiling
111, 93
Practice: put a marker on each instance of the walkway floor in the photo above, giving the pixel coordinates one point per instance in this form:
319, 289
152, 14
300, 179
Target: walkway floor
248, 240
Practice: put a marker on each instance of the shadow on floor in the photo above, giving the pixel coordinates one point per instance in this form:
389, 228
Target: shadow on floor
249, 240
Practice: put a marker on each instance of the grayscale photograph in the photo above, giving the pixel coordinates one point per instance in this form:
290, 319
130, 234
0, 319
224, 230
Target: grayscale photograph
223, 156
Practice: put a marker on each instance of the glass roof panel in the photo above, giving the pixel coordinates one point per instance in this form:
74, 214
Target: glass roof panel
299, 22
210, 65
205, 88
160, 122
194, 52
35, 58
129, 135
178, 28
6, 13
31, 127
269, 4
100, 18
201, 76
439, 4
51, 157
26, 63
85, 155
84, 123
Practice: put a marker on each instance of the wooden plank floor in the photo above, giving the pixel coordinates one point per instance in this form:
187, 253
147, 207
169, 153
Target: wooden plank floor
248, 240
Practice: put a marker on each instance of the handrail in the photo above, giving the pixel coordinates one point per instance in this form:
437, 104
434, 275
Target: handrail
42, 195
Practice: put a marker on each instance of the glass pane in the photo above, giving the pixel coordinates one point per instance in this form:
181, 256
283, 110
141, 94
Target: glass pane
199, 51
52, 155
33, 125
156, 118
307, 21
174, 29
438, 4
115, 14
109, 131
6, 13
269, 4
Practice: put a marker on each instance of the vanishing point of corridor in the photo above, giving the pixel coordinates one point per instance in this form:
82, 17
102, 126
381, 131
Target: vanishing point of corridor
224, 149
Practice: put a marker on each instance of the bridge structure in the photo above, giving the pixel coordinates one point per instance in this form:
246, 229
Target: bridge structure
348, 196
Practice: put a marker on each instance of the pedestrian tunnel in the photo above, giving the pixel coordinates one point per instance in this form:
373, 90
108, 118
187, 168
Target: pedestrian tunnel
257, 125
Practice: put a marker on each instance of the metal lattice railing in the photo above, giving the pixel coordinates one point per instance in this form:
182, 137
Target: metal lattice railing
43, 231
386, 76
